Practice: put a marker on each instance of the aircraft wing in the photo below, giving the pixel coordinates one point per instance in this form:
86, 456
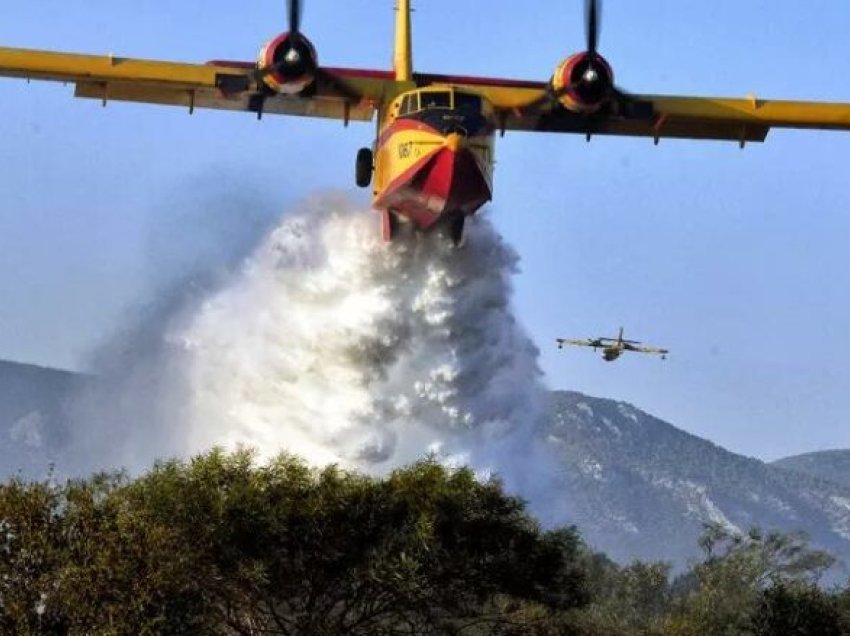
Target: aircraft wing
353, 94
578, 343
525, 106
346, 94
630, 347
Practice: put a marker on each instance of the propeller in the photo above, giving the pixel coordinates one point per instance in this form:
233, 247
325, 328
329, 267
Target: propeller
591, 76
594, 79
293, 56
592, 24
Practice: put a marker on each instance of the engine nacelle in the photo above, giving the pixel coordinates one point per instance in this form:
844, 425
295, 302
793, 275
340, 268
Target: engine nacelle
580, 86
294, 64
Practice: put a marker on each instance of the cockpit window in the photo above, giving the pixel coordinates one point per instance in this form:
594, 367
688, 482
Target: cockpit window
410, 104
468, 104
437, 100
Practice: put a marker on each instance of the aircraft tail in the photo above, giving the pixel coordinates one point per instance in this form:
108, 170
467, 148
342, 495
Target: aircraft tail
403, 54
621, 340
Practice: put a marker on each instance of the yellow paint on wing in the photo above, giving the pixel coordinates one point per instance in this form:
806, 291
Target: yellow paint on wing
69, 67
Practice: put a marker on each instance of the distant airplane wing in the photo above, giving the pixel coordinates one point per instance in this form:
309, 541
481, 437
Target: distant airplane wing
659, 351
578, 343
345, 94
526, 106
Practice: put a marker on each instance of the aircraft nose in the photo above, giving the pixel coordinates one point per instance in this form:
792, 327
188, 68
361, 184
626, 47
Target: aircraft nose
455, 141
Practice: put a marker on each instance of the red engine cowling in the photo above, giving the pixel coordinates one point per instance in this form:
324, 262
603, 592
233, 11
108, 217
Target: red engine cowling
582, 84
294, 63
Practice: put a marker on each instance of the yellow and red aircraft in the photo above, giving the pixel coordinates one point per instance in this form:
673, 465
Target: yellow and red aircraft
432, 161
612, 348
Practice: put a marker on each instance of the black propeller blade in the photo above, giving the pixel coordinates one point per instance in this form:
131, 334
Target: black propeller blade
592, 17
292, 56
591, 21
294, 7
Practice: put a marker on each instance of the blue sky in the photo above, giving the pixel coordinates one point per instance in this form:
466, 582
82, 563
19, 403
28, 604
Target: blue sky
737, 261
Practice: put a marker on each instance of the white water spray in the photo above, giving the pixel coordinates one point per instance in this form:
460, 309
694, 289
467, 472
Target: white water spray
339, 348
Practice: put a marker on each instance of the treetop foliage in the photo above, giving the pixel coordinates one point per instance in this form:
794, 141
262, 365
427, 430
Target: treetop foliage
223, 545
220, 544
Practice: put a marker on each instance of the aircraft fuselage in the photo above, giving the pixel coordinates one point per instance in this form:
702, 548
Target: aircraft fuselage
434, 156
609, 354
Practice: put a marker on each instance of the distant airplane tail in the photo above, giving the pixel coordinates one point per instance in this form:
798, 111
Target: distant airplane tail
619, 339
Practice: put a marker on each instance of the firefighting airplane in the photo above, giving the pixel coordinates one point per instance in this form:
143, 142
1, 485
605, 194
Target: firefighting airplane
432, 161
613, 348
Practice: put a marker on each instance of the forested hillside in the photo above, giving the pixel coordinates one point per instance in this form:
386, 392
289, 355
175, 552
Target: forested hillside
831, 465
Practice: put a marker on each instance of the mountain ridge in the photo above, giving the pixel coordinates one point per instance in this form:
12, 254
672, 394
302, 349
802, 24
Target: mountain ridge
641, 488
829, 465
636, 486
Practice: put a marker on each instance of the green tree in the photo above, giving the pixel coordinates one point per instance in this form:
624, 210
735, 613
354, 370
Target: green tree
633, 599
220, 545
719, 596
842, 603
77, 561
802, 609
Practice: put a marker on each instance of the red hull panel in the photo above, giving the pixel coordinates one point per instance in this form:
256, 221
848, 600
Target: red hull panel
444, 181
